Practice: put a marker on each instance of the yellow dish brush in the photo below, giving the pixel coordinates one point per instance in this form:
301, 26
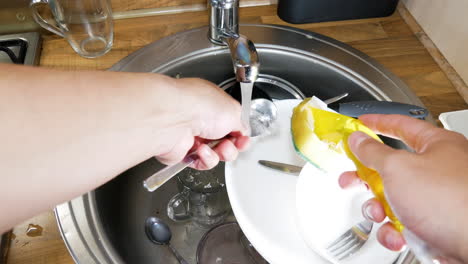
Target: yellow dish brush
320, 135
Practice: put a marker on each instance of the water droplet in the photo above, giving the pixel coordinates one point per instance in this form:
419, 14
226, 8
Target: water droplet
34, 230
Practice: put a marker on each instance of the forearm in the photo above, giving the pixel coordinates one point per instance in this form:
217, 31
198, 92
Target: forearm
64, 133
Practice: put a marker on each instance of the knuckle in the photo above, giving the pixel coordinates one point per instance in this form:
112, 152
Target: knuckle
394, 159
456, 136
369, 145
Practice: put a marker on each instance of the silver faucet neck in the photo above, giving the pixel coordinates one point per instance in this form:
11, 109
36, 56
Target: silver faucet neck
224, 20
224, 30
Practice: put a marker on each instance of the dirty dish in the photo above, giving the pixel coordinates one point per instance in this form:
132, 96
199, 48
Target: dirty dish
455, 121
325, 211
263, 200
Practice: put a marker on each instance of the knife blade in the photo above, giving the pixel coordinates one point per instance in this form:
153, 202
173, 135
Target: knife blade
283, 167
356, 109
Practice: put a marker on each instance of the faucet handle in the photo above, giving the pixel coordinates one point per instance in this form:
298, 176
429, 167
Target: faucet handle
244, 58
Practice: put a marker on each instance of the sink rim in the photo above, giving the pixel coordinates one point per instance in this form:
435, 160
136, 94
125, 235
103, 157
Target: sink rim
78, 219
324, 49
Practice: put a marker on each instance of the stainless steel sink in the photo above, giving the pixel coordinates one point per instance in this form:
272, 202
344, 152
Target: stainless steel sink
106, 225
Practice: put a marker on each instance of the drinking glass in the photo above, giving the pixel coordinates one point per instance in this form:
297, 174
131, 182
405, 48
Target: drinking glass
86, 24
203, 198
227, 243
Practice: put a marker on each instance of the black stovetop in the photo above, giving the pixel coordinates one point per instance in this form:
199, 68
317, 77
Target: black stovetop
21, 48
13, 51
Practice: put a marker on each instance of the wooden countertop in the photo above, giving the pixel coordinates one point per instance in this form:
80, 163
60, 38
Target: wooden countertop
388, 40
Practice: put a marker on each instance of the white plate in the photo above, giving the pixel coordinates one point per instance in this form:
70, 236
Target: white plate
456, 121
325, 211
263, 200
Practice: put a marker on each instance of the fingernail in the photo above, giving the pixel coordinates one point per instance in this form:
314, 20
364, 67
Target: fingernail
367, 212
244, 130
356, 139
394, 240
390, 241
233, 140
207, 151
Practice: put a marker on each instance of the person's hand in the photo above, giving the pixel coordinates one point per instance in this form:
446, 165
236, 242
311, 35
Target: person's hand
209, 114
73, 131
427, 189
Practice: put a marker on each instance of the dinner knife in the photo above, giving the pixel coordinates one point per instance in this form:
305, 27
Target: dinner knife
356, 109
283, 167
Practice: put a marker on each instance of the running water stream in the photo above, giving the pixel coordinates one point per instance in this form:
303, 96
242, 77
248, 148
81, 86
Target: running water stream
246, 92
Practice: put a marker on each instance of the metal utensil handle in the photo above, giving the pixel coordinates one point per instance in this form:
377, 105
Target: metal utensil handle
419, 248
154, 181
177, 255
335, 99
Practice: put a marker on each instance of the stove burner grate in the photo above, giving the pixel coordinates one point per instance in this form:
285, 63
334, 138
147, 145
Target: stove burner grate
8, 47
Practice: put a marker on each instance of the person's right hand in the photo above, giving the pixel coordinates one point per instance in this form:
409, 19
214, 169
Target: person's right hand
204, 112
427, 190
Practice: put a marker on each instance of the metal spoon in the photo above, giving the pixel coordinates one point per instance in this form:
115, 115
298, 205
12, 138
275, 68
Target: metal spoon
159, 233
263, 114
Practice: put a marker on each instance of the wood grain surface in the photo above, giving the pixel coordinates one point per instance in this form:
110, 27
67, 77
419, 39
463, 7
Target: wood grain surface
388, 40
127, 5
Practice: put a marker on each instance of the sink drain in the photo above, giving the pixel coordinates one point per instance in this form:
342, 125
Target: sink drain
266, 86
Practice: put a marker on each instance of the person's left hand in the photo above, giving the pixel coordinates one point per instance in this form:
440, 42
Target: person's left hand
209, 114
425, 188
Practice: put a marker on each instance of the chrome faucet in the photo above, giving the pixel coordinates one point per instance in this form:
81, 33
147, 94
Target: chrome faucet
224, 30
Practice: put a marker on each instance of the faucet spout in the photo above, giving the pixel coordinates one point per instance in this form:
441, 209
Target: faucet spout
224, 30
244, 58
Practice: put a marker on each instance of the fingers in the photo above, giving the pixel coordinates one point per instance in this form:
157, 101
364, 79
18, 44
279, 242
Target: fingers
178, 152
226, 150
370, 152
207, 158
349, 179
414, 132
241, 142
390, 238
373, 211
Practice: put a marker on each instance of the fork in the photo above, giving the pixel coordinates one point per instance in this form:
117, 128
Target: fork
351, 241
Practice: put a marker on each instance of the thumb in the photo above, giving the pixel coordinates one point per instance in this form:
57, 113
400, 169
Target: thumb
370, 152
